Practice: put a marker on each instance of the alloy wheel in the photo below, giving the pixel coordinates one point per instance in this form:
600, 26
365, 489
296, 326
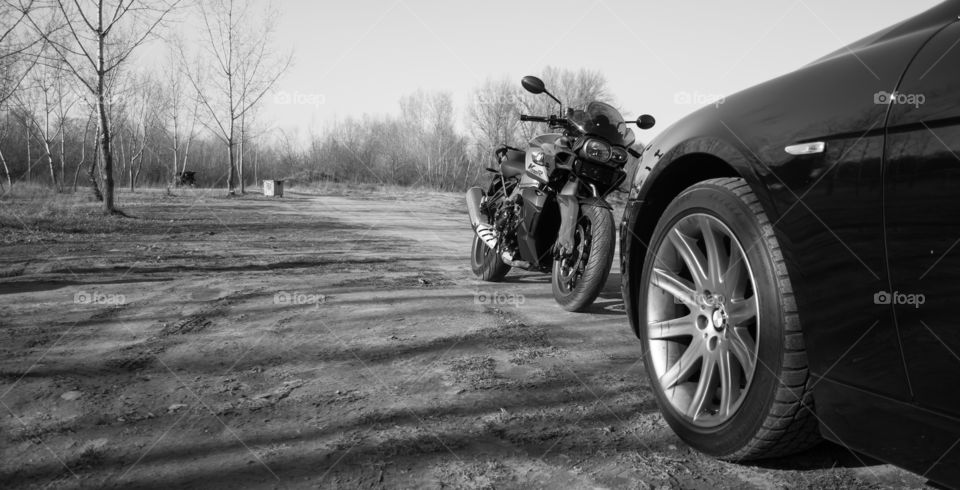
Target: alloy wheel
703, 334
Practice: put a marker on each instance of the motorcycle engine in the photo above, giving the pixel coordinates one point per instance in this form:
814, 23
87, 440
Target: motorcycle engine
507, 220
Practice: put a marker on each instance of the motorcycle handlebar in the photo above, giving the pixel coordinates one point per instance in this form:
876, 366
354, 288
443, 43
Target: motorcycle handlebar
524, 117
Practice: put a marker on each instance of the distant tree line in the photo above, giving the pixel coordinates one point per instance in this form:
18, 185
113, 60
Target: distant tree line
423, 145
76, 114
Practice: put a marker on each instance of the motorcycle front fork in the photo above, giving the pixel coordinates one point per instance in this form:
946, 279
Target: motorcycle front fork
569, 212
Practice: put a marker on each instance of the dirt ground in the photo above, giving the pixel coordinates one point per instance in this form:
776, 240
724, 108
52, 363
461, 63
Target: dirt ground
325, 341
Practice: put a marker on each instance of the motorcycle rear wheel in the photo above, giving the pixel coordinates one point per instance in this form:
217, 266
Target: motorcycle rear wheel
484, 261
578, 280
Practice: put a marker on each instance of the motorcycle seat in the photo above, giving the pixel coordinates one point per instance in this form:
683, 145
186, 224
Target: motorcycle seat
513, 164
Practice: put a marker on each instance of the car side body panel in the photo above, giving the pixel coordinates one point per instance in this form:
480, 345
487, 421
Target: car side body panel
826, 208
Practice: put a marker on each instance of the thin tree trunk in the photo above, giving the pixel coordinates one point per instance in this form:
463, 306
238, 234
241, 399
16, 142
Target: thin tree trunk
91, 172
83, 154
231, 149
76, 174
50, 163
193, 127
186, 152
243, 120
138, 157
63, 162
6, 170
176, 153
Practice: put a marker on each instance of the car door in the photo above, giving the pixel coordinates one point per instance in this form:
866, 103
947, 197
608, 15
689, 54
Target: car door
922, 214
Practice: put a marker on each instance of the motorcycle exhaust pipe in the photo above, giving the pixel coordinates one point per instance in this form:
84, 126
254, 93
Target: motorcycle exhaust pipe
474, 196
486, 232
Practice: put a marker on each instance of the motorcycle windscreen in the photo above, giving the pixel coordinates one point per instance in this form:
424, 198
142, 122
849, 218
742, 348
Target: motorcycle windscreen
604, 121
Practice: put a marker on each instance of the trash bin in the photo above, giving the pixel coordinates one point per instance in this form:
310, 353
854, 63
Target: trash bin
273, 188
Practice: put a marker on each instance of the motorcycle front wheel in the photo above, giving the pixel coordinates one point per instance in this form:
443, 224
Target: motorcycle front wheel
579, 278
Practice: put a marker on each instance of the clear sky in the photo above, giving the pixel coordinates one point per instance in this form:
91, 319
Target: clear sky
360, 56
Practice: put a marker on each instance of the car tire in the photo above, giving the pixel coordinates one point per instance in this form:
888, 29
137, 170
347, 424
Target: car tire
722, 341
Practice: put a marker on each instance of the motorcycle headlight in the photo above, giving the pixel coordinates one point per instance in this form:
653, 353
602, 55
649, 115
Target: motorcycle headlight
597, 150
619, 156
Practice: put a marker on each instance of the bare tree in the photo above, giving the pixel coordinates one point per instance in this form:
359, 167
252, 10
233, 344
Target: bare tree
102, 35
430, 117
19, 47
38, 103
19, 52
66, 99
3, 133
239, 42
494, 116
83, 149
180, 110
141, 112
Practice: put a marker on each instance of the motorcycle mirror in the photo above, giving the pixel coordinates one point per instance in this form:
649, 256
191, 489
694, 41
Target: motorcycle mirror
533, 85
646, 121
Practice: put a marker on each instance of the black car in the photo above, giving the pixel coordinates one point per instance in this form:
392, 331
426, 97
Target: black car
790, 257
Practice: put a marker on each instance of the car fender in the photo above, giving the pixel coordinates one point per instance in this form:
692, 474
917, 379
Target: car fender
666, 167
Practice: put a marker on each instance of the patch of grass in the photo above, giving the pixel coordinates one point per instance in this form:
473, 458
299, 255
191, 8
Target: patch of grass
526, 355
478, 372
476, 474
36, 433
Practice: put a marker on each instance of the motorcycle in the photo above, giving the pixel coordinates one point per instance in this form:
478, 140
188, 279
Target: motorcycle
546, 210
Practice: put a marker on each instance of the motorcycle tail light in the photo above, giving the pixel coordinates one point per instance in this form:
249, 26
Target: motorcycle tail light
598, 150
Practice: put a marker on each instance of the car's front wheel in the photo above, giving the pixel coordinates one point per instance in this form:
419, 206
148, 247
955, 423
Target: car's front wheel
723, 346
